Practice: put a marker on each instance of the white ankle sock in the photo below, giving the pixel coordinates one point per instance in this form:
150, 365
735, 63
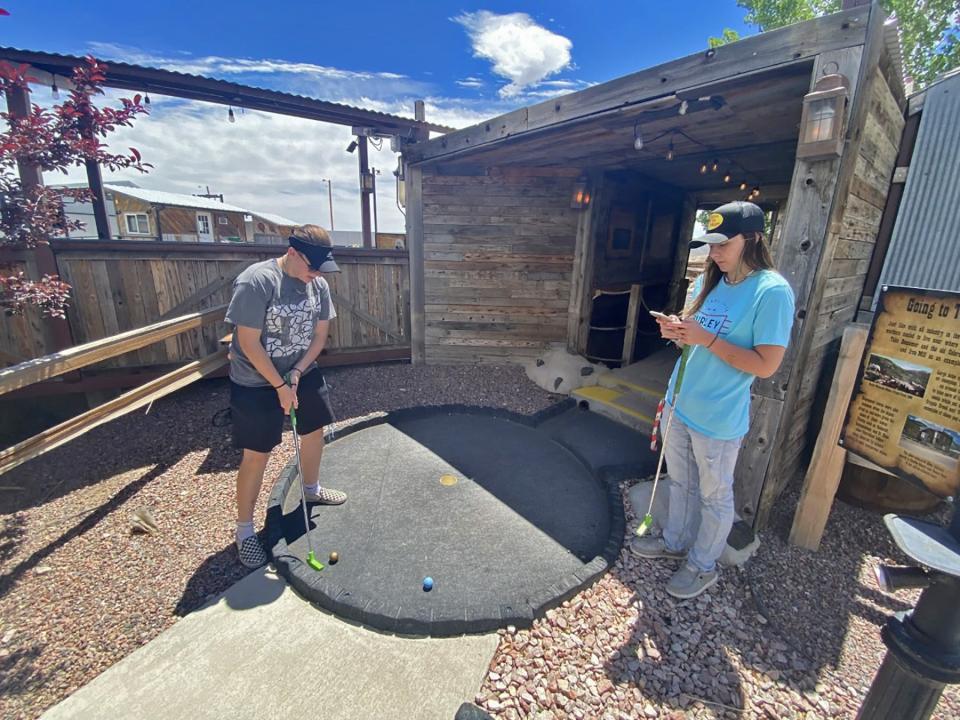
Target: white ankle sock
244, 530
315, 488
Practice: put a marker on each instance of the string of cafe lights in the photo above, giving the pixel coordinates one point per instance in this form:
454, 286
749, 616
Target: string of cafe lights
714, 166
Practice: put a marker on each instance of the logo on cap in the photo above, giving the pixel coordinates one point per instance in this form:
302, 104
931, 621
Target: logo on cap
714, 220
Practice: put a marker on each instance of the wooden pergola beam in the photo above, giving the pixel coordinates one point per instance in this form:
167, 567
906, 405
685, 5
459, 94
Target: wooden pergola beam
137, 78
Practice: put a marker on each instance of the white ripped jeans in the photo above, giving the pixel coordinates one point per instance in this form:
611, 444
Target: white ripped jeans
701, 510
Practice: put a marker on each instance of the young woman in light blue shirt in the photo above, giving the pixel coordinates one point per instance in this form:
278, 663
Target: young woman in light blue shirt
738, 327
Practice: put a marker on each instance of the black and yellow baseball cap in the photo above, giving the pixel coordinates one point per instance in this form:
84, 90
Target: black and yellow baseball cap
730, 220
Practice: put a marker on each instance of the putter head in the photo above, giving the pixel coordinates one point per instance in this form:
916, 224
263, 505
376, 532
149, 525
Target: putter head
645, 525
313, 562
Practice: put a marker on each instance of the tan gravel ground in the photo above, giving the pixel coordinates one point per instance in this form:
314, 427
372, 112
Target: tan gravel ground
79, 590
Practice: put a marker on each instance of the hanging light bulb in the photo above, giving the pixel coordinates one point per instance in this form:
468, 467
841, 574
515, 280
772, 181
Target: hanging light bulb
755, 193
715, 166
703, 169
54, 90
670, 150
637, 138
230, 116
743, 186
146, 98
727, 178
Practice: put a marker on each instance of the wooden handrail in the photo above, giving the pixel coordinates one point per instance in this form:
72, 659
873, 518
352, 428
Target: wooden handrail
129, 401
48, 366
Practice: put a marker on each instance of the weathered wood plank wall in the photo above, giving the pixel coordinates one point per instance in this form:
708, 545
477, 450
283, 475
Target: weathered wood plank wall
498, 263
120, 286
852, 239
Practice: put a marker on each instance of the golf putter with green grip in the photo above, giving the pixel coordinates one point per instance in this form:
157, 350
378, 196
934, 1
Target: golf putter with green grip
311, 556
647, 521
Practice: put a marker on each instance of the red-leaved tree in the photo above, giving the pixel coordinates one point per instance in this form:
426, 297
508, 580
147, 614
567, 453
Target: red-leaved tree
54, 139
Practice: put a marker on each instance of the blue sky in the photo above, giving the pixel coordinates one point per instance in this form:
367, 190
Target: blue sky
469, 62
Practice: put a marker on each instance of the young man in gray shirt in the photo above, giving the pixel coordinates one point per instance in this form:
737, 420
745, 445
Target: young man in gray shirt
281, 312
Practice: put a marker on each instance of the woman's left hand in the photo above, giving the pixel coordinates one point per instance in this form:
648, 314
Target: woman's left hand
690, 332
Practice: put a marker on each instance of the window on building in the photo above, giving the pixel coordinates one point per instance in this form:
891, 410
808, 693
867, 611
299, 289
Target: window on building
138, 224
222, 219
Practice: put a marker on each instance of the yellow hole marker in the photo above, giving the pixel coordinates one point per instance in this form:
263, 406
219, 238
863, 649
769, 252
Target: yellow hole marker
448, 480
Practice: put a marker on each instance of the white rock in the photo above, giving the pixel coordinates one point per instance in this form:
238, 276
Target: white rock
559, 364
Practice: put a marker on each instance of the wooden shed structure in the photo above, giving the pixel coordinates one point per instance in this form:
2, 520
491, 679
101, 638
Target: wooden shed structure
502, 266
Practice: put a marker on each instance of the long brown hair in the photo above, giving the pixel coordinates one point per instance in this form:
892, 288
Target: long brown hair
756, 256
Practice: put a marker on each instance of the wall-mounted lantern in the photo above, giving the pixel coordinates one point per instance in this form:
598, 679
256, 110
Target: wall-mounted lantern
824, 120
366, 181
401, 184
580, 198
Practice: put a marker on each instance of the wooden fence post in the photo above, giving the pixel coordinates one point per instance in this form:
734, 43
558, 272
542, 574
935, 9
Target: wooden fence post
633, 319
823, 474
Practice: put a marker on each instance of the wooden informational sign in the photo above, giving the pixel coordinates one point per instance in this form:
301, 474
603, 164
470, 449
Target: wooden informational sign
905, 411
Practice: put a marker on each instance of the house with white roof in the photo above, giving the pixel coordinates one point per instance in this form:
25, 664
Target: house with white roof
137, 213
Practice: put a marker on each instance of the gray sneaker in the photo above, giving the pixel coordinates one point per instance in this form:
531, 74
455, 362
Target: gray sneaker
326, 496
688, 582
654, 547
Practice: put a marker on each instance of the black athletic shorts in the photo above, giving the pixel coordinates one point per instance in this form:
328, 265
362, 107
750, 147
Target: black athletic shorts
258, 418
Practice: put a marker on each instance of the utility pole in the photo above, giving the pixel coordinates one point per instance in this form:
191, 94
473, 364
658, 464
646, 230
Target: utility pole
209, 195
329, 198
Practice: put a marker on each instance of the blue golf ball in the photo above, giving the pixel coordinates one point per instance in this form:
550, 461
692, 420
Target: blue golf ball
427, 584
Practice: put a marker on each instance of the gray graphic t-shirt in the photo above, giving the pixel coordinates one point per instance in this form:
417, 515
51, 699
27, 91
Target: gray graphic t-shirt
285, 310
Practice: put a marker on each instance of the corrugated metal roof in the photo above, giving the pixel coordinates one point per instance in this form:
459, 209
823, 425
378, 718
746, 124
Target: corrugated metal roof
924, 246
159, 197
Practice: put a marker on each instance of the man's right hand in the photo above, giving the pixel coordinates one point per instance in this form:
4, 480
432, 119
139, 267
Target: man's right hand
287, 398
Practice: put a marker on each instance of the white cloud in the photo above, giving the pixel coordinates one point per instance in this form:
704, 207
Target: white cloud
263, 162
319, 81
521, 51
273, 163
470, 82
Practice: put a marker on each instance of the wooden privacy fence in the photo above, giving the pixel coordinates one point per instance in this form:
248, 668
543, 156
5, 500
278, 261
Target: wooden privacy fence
122, 286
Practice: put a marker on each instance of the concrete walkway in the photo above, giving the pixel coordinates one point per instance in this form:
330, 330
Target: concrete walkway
261, 651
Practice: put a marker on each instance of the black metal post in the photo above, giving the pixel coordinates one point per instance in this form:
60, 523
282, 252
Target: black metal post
923, 644
364, 193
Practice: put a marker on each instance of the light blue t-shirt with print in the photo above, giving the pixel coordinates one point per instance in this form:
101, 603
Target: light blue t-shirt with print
715, 397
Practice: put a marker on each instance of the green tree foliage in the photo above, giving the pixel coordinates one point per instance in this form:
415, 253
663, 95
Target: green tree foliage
728, 36
929, 29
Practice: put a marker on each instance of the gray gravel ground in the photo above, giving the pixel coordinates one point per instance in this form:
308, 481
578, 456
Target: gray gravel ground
79, 590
